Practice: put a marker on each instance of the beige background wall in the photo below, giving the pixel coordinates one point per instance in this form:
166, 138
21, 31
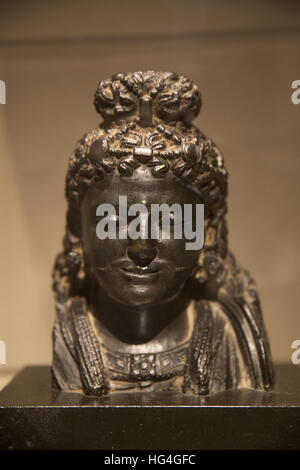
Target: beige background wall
242, 54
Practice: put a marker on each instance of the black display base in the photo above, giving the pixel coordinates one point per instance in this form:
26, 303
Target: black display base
35, 416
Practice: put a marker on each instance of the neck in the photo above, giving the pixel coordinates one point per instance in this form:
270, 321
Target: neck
140, 324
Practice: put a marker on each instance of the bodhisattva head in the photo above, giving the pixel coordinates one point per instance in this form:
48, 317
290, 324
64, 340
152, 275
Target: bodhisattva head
145, 152
148, 150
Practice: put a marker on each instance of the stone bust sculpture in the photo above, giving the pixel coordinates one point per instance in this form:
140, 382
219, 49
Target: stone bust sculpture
147, 314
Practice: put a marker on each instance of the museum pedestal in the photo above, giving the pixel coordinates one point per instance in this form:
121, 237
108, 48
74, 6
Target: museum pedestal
34, 416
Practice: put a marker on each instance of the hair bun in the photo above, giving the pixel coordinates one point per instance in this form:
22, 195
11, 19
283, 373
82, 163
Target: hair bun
163, 95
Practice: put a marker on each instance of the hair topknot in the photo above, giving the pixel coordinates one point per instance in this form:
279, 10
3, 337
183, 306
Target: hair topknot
166, 95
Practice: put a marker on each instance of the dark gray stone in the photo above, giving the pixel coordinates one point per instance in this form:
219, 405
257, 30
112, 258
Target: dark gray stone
33, 415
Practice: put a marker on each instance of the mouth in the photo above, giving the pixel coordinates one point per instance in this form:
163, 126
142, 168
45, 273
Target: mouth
138, 273
146, 277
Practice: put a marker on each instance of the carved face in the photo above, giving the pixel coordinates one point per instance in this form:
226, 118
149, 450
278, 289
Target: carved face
141, 271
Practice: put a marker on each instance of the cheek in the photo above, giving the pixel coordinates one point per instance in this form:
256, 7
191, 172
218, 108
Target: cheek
101, 252
176, 252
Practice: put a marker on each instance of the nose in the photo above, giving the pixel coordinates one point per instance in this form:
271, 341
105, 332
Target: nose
141, 252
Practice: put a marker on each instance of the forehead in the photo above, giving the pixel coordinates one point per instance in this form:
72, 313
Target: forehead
141, 187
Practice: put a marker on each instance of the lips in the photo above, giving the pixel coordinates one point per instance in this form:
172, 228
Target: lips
140, 277
140, 273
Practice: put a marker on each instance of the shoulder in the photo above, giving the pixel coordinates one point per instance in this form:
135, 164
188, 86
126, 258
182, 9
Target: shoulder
240, 347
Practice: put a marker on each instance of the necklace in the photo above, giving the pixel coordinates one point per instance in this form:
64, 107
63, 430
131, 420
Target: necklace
150, 366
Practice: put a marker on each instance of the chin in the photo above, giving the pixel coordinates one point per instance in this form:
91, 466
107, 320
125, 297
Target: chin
134, 294
137, 295
137, 298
